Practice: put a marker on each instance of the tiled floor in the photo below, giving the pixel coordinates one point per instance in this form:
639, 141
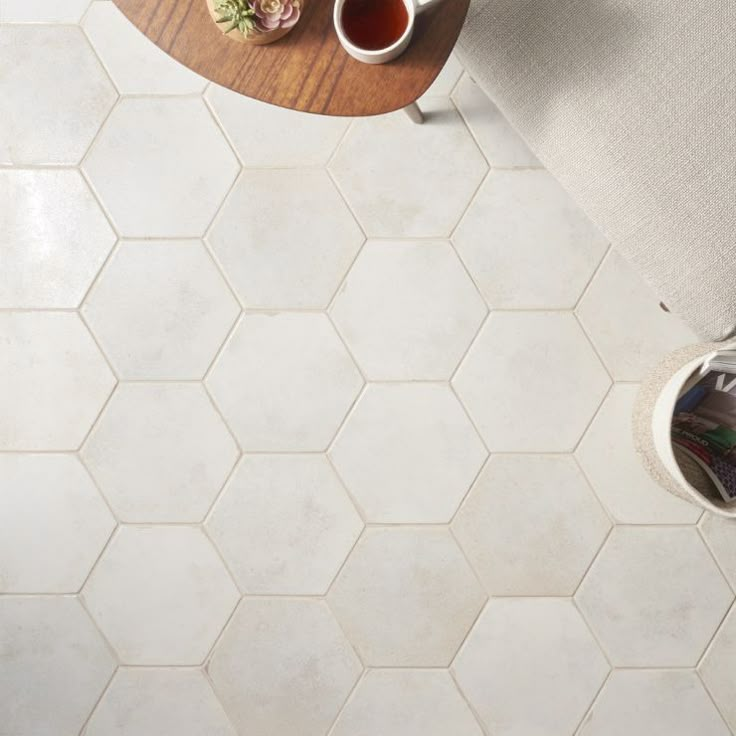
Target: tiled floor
311, 426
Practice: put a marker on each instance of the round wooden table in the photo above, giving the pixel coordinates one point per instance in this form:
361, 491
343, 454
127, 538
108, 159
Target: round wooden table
306, 70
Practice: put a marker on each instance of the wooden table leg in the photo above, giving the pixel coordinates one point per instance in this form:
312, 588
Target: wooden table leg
414, 113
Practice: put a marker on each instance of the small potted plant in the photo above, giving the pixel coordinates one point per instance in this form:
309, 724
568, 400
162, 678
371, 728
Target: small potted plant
255, 21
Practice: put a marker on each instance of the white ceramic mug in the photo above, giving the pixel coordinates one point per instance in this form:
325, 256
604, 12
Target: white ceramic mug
381, 56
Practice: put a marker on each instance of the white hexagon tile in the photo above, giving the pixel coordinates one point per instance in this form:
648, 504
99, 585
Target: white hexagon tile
283, 666
160, 594
654, 597
446, 80
647, 702
398, 702
500, 143
295, 261
48, 497
55, 238
531, 381
720, 536
429, 453
284, 381
54, 381
625, 322
317, 426
716, 669
406, 597
530, 666
408, 310
136, 65
161, 167
607, 455
284, 524
54, 665
403, 180
161, 701
527, 244
160, 309
43, 11
160, 452
531, 525
295, 138
54, 93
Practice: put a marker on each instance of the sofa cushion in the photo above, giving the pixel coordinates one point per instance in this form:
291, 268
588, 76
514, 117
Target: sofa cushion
631, 104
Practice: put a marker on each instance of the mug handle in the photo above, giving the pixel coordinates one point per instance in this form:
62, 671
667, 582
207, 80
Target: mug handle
420, 7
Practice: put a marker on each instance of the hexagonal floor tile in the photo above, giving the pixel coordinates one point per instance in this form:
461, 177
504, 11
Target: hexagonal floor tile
526, 243
649, 702
160, 452
54, 381
161, 310
524, 371
720, 536
294, 138
718, 669
654, 597
55, 239
54, 94
290, 245
500, 143
407, 180
283, 667
530, 666
50, 498
54, 665
284, 382
165, 702
531, 525
160, 594
406, 703
43, 11
408, 311
446, 80
408, 453
609, 459
136, 65
406, 597
625, 322
161, 167
284, 524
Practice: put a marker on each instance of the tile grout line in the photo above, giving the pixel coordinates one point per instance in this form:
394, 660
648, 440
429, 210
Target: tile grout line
591, 631
468, 704
358, 680
97, 702
589, 483
712, 699
578, 731
464, 500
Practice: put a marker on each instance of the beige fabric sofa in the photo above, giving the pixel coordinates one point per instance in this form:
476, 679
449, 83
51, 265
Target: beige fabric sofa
631, 104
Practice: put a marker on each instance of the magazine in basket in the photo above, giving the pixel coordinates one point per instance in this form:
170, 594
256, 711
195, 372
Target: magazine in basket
704, 422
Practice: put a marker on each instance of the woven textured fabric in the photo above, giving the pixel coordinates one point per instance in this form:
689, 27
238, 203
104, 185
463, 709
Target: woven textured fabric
631, 104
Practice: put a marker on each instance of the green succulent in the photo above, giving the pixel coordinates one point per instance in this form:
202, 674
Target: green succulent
238, 13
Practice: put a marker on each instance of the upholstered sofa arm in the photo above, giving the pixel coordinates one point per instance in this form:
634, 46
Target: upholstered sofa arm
631, 104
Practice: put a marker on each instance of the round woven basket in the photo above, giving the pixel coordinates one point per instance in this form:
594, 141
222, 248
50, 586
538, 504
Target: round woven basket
255, 39
652, 419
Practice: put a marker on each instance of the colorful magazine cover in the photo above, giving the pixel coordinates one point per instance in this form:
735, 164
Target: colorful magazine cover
704, 426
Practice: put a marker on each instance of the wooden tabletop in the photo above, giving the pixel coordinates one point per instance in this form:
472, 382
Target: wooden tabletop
306, 70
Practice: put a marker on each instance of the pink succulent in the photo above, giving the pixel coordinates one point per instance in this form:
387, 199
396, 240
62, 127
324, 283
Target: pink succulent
273, 14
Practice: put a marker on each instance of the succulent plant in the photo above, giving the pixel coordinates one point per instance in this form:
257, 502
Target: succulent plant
273, 14
257, 16
238, 13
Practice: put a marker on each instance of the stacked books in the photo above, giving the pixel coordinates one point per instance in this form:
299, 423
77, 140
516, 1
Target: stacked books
704, 427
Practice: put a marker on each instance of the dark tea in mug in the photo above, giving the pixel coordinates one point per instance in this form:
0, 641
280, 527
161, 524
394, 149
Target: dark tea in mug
374, 24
